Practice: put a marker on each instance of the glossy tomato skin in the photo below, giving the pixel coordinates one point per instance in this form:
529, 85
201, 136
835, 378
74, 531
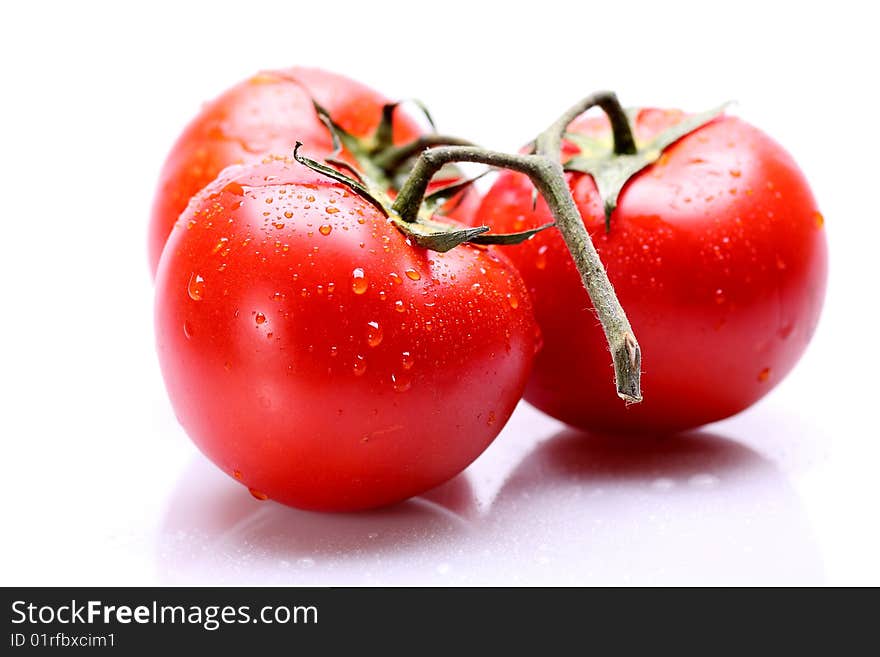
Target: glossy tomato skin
265, 114
718, 255
321, 360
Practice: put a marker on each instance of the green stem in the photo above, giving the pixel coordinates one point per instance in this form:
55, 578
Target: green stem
410, 197
547, 175
549, 142
391, 158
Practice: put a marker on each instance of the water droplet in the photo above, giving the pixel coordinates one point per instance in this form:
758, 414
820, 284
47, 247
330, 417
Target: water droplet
260, 318
360, 365
407, 360
196, 287
719, 296
234, 188
310, 198
187, 330
359, 281
288, 214
764, 374
258, 494
541, 259
412, 274
490, 420
399, 307
325, 229
819, 219
236, 474
514, 302
269, 199
395, 278
477, 288
374, 334
331, 210
334, 350
401, 382
222, 242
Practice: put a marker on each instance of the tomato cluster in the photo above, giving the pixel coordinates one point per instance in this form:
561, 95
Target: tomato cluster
330, 355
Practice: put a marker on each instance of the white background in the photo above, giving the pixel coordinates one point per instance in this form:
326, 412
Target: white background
101, 486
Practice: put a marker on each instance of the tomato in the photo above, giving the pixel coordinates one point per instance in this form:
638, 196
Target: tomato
263, 115
717, 253
316, 356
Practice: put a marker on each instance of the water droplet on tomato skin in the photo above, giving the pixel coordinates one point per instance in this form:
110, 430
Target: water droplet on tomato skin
819, 219
513, 301
258, 495
399, 306
719, 296
541, 258
401, 382
221, 243
490, 420
539, 339
763, 375
196, 287
237, 474
325, 229
412, 274
374, 334
187, 330
360, 365
407, 360
359, 282
260, 318
234, 188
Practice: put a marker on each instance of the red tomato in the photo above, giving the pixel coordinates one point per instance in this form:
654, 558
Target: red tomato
265, 114
718, 254
321, 360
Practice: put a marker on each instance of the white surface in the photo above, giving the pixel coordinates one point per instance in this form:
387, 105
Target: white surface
100, 485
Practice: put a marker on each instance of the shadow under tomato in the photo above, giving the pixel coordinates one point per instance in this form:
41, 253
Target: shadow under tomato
693, 508
214, 530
